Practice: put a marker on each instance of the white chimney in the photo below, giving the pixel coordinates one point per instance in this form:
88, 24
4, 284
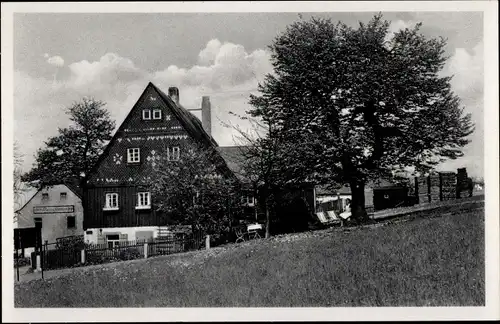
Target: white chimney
206, 115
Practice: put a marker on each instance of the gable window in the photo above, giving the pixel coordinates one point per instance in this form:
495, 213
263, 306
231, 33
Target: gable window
64, 195
113, 240
146, 114
156, 113
133, 155
143, 200
173, 153
45, 196
71, 220
111, 201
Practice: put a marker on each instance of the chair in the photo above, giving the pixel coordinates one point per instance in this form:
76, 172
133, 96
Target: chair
240, 234
253, 230
322, 217
332, 215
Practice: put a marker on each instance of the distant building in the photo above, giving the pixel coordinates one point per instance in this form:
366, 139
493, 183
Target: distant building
58, 208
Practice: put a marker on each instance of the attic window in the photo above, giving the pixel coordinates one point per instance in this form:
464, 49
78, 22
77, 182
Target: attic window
146, 114
157, 114
133, 155
45, 196
64, 195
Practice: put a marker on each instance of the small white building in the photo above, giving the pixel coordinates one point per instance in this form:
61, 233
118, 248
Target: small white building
58, 208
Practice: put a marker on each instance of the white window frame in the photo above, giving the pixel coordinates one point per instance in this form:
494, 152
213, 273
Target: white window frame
109, 201
115, 242
146, 195
148, 111
172, 151
154, 114
131, 155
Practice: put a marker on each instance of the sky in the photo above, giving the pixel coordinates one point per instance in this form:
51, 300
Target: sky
60, 58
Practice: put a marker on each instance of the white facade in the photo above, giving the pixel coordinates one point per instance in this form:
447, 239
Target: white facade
58, 208
91, 234
106, 234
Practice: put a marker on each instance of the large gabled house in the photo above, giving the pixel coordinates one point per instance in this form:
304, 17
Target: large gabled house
118, 203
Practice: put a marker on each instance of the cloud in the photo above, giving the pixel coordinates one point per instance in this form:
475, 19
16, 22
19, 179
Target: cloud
55, 60
208, 54
396, 26
467, 68
226, 72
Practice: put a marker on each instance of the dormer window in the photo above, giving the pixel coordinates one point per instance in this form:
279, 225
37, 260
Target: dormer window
156, 114
146, 114
133, 155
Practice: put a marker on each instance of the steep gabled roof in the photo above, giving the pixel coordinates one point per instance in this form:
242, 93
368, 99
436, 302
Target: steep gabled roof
190, 123
234, 157
75, 189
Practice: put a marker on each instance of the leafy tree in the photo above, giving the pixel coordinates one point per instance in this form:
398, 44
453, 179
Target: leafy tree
197, 190
355, 104
70, 155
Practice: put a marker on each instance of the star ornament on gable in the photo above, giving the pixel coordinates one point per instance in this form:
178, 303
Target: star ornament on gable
117, 158
153, 158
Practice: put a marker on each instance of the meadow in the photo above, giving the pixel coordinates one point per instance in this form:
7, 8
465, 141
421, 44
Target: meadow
436, 260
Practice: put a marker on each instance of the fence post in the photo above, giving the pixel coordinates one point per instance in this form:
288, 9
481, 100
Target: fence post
82, 256
145, 250
38, 262
207, 242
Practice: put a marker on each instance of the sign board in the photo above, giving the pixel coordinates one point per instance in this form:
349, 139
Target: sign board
53, 209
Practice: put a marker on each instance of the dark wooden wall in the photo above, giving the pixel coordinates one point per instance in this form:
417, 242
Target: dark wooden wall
126, 216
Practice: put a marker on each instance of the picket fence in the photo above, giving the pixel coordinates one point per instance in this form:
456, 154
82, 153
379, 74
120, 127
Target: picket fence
54, 256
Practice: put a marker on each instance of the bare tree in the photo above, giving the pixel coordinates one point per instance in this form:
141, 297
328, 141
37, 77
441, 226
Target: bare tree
18, 186
260, 153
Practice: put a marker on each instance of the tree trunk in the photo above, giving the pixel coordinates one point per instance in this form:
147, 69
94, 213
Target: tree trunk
358, 202
268, 220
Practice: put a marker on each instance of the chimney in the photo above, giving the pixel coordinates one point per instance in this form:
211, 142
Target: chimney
173, 93
206, 115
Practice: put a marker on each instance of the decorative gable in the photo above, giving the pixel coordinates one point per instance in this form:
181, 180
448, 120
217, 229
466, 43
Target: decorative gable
147, 132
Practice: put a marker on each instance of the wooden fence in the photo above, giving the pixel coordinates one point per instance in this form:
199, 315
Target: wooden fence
56, 256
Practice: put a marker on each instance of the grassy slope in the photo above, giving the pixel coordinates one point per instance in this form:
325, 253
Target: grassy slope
422, 262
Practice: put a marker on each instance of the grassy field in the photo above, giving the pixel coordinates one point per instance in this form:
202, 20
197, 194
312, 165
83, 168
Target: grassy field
426, 261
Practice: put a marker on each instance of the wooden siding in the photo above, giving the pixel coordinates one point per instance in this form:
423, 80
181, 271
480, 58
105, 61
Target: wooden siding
152, 137
126, 216
177, 128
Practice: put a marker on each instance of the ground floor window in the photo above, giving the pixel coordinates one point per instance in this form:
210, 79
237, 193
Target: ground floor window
113, 240
71, 222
